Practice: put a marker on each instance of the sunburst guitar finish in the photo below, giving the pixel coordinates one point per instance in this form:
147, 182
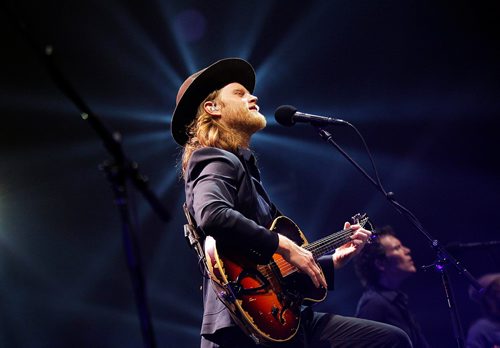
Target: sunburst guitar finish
265, 300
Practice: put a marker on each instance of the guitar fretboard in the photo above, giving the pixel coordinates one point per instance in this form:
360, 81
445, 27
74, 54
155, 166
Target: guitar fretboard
331, 242
318, 248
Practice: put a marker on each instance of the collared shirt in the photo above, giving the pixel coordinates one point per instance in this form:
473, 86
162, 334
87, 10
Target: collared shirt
485, 332
390, 307
225, 195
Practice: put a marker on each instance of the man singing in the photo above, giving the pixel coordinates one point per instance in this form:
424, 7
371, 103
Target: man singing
382, 267
214, 120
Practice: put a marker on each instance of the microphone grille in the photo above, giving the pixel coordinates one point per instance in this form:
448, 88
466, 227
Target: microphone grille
284, 115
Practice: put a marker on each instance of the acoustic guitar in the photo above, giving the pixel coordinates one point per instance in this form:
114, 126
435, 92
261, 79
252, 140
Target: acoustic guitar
265, 300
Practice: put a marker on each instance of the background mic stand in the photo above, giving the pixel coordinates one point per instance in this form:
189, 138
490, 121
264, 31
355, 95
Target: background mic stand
443, 258
118, 171
440, 265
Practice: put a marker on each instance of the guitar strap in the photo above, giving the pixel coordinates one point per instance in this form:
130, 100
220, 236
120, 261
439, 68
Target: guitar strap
194, 237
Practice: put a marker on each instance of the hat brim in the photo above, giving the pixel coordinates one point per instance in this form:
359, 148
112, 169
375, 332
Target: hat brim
214, 77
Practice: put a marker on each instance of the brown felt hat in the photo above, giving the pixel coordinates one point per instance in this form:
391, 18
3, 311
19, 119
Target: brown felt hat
199, 85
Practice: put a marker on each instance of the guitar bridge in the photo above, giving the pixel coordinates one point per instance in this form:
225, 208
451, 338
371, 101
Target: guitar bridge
237, 289
276, 314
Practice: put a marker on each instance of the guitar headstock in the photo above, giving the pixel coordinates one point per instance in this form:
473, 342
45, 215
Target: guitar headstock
364, 221
361, 219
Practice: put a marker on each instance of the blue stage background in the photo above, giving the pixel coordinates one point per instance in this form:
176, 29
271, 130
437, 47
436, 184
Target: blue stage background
420, 80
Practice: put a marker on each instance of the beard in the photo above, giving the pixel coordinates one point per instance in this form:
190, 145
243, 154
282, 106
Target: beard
243, 120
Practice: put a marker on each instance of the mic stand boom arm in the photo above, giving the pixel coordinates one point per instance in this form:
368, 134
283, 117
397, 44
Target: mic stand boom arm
117, 170
443, 258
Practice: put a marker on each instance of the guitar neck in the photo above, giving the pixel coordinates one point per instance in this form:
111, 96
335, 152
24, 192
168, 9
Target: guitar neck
333, 241
329, 243
318, 248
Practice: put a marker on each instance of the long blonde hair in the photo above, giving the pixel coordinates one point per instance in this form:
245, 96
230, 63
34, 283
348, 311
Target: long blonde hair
207, 131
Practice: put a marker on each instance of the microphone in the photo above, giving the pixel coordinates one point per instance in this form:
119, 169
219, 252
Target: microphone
454, 246
287, 115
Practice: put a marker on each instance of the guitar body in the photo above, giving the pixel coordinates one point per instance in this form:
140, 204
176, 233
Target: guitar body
264, 300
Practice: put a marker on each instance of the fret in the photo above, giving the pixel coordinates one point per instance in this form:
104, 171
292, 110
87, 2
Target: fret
331, 242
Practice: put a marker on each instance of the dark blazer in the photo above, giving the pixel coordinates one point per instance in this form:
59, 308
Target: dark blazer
225, 195
390, 307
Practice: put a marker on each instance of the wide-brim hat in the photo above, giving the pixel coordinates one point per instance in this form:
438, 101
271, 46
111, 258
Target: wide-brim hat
199, 85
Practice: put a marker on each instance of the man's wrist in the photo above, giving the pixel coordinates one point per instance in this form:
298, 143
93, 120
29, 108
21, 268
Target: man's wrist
336, 261
283, 245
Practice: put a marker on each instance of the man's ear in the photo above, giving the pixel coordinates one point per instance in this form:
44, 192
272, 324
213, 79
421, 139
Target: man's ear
211, 108
380, 265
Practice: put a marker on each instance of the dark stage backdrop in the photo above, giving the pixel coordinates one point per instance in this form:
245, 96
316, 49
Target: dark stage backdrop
420, 80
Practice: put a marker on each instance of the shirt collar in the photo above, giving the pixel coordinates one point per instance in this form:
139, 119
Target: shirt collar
246, 154
391, 295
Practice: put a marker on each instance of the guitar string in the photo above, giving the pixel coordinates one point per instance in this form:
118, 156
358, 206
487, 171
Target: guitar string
319, 247
328, 240
286, 268
322, 245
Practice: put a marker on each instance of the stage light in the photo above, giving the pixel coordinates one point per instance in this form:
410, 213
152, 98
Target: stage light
190, 25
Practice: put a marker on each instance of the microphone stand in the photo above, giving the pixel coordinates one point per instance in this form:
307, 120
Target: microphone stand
472, 245
118, 170
443, 258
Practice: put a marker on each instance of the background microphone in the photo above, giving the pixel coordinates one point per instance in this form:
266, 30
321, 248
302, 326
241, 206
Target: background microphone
287, 115
454, 246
